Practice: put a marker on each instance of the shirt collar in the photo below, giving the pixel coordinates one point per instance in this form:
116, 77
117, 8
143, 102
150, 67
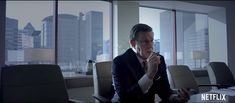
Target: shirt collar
139, 58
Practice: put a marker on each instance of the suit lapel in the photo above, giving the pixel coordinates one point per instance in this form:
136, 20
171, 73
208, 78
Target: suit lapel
134, 65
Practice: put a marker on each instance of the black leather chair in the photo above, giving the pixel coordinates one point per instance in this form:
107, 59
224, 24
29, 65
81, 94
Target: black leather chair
38, 83
220, 73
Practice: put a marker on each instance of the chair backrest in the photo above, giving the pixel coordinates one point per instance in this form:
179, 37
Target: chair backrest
182, 77
102, 77
220, 73
38, 83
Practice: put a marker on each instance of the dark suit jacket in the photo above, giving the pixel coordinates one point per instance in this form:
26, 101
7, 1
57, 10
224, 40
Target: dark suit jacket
127, 71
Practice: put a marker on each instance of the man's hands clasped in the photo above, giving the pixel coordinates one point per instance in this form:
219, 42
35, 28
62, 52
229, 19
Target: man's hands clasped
152, 62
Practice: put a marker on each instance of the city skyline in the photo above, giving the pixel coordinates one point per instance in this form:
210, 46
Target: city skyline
192, 35
22, 10
80, 38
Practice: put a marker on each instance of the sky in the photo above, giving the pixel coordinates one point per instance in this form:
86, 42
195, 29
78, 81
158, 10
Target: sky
28, 11
36, 11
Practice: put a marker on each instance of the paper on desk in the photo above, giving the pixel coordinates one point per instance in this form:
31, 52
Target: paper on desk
229, 92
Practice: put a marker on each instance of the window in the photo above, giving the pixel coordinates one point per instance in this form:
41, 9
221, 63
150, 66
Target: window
192, 39
187, 39
23, 32
162, 23
83, 33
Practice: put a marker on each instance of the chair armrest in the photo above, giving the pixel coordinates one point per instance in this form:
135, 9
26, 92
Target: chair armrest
102, 99
75, 101
214, 85
208, 85
175, 90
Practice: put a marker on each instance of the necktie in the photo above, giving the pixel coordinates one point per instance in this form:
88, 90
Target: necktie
145, 66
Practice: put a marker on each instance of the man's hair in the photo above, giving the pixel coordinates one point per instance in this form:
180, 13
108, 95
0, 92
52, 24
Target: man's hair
139, 28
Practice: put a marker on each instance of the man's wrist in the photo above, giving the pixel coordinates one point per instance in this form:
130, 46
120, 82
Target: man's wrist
150, 76
145, 83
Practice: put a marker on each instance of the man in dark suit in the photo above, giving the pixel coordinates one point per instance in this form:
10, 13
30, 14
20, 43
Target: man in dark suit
139, 73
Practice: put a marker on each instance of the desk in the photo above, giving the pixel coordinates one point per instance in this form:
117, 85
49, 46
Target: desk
79, 86
75, 80
229, 96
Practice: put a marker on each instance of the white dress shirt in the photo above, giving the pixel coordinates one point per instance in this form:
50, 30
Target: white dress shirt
145, 83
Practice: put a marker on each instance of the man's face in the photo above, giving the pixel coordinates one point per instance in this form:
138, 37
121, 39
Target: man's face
144, 44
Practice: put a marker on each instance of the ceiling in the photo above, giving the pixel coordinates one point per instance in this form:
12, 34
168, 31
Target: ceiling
179, 5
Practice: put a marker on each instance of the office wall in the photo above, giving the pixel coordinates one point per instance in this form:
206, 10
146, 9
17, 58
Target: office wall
230, 17
2, 32
217, 35
127, 16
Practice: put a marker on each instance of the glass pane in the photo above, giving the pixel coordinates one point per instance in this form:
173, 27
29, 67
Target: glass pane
192, 39
162, 23
24, 28
83, 34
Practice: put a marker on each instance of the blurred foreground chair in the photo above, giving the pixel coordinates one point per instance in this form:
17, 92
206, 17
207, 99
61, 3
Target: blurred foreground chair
102, 77
37, 83
182, 77
220, 73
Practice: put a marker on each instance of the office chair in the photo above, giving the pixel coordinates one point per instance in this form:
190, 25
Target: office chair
182, 77
220, 73
38, 83
102, 77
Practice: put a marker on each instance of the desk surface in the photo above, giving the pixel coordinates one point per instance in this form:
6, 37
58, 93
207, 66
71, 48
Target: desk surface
75, 80
72, 75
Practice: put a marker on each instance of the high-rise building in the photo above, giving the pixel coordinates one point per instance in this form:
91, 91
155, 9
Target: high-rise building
80, 38
68, 37
26, 36
36, 39
84, 52
47, 39
29, 29
94, 30
12, 36
27, 40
